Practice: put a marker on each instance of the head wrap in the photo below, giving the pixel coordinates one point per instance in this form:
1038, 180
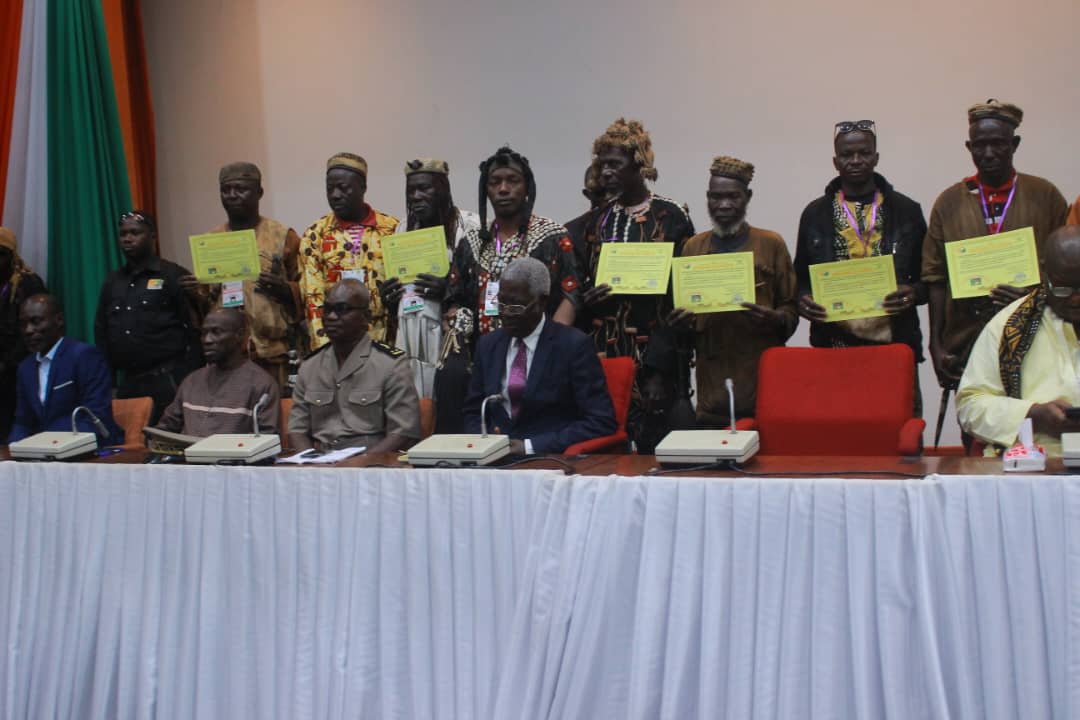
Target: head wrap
629, 135
240, 171
427, 165
736, 169
139, 216
18, 267
995, 110
348, 161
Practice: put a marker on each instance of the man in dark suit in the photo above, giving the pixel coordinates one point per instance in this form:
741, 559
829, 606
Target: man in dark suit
58, 376
552, 386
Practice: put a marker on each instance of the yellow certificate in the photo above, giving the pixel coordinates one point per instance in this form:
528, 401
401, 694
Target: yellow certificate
421, 251
224, 257
635, 268
978, 264
713, 283
852, 289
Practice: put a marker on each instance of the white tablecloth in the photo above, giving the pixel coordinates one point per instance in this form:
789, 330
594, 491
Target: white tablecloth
173, 592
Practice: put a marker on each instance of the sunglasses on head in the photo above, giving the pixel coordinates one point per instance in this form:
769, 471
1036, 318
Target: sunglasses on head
847, 126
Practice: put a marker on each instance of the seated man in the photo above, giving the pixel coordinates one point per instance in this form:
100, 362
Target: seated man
58, 376
1024, 363
220, 397
354, 392
553, 388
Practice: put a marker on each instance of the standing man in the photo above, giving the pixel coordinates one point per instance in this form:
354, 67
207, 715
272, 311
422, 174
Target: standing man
20, 282
729, 344
146, 322
357, 392
271, 304
428, 203
995, 199
219, 397
347, 243
61, 375
637, 325
861, 215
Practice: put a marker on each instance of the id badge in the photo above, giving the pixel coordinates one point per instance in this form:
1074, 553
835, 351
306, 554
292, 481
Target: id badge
411, 301
491, 299
232, 294
359, 274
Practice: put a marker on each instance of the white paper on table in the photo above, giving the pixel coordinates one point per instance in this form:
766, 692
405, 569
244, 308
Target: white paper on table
311, 456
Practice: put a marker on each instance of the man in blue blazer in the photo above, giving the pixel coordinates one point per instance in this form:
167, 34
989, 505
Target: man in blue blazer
551, 386
58, 376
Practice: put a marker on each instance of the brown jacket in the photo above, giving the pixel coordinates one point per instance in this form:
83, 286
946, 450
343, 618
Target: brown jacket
957, 215
729, 344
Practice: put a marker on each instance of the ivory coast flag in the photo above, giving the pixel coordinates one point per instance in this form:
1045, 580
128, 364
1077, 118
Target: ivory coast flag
76, 139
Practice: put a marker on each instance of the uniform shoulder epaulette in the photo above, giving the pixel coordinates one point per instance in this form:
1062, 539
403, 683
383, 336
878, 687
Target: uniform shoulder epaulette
388, 349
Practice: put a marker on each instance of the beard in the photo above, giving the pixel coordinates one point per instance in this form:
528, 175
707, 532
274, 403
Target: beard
729, 229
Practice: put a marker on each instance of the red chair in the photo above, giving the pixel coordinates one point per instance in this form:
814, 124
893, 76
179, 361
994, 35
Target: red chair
619, 373
848, 401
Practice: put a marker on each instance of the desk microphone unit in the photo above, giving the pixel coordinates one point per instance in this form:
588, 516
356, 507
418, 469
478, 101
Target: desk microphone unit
462, 450
702, 447
59, 445
1070, 450
236, 449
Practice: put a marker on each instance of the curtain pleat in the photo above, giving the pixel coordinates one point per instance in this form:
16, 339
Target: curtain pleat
10, 28
26, 189
87, 184
173, 592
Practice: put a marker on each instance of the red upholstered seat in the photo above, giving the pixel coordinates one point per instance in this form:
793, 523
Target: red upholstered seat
848, 401
619, 373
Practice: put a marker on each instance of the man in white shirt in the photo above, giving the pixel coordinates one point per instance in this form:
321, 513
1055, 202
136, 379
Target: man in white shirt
548, 375
1026, 361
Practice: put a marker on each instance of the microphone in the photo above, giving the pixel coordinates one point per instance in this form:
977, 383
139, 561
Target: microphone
730, 385
255, 411
483, 413
98, 425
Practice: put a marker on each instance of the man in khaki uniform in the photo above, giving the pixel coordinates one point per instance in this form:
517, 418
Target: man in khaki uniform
354, 392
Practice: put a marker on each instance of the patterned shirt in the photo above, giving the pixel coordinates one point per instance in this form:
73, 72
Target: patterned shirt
332, 249
477, 264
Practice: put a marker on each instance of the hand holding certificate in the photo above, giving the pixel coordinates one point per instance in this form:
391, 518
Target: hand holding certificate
853, 289
421, 251
225, 257
714, 283
977, 265
635, 268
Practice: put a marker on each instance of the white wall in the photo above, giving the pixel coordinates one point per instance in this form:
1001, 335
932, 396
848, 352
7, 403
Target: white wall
286, 84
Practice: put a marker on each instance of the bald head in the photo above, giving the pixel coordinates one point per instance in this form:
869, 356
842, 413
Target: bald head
1061, 268
41, 319
346, 313
1062, 248
224, 337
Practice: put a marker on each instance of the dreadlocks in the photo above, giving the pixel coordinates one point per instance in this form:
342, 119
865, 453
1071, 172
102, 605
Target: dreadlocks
505, 157
445, 212
629, 135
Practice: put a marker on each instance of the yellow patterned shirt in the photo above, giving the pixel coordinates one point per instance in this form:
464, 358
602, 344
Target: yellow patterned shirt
332, 249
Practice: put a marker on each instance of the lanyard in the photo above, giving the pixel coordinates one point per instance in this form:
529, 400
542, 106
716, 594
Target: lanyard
996, 227
498, 241
853, 222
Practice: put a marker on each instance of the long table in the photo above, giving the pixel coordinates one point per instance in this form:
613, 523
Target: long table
131, 591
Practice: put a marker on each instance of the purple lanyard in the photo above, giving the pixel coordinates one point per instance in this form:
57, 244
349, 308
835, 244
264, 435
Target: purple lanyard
996, 227
855, 224
498, 241
358, 242
603, 222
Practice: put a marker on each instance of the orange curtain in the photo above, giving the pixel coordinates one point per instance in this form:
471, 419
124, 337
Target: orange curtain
10, 30
127, 51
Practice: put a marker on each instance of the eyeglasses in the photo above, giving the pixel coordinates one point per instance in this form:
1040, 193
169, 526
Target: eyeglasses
1061, 291
847, 126
339, 309
514, 310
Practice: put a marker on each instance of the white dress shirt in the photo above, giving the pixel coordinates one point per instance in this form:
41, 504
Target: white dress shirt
44, 365
530, 340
